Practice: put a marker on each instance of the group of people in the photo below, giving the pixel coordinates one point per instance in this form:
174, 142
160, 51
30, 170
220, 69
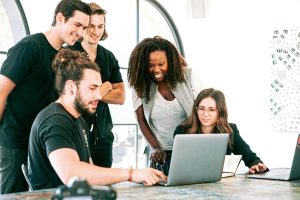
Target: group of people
54, 113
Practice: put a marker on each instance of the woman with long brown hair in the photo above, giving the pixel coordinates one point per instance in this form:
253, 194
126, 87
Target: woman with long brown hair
210, 116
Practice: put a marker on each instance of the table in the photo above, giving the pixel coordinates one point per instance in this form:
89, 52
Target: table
231, 188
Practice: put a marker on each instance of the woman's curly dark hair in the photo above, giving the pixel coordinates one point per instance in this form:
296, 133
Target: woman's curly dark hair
138, 76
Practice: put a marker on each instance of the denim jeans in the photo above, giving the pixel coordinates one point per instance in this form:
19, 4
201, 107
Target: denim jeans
11, 176
165, 166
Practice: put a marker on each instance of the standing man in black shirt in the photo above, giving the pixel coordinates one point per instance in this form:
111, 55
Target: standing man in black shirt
112, 90
27, 86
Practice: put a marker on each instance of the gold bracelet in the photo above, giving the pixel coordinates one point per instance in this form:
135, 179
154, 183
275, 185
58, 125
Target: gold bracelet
130, 174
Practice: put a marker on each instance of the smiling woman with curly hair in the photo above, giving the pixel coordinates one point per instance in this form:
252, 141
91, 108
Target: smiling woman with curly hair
164, 89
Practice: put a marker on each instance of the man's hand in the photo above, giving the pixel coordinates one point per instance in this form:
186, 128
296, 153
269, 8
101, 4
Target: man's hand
148, 176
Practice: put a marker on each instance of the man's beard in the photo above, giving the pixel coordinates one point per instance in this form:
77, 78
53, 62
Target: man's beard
80, 107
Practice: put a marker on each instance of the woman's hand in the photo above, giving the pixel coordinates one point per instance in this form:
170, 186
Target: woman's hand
258, 168
158, 156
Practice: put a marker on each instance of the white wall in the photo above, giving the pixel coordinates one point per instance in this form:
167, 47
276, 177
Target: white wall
229, 49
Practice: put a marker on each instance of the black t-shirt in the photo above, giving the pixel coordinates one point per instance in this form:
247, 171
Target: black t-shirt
28, 65
54, 128
110, 71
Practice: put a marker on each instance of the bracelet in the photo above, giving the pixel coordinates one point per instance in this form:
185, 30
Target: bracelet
130, 174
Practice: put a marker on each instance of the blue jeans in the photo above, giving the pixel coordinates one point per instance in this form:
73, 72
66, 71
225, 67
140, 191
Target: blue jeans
11, 176
163, 167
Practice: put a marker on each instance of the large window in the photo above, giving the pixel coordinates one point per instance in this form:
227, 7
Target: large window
6, 37
13, 25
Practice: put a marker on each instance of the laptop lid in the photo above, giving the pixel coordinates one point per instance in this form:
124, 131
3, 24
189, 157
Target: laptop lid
286, 174
295, 169
231, 164
197, 158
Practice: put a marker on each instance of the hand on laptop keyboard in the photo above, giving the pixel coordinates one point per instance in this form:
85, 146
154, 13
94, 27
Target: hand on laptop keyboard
258, 168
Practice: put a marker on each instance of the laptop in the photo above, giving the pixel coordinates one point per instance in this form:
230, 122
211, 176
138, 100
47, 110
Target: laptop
197, 158
284, 174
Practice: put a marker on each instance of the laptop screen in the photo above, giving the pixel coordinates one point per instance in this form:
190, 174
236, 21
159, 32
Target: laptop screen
197, 158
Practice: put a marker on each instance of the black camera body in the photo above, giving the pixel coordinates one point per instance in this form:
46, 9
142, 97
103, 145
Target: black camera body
80, 189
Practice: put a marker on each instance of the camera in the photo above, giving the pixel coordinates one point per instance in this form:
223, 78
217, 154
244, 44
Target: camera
79, 189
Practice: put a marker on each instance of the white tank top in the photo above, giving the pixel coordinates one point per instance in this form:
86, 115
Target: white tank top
165, 117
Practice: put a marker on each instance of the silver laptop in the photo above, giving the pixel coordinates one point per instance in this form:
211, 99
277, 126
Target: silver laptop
197, 158
284, 174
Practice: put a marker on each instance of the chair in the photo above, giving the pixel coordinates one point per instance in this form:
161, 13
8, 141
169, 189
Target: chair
25, 173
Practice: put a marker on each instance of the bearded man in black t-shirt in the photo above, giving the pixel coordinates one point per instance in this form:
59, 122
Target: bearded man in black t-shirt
58, 143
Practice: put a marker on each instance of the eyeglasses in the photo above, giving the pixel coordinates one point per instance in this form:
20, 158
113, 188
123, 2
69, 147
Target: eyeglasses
210, 111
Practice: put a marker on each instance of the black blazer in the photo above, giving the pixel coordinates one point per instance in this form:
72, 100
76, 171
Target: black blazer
240, 147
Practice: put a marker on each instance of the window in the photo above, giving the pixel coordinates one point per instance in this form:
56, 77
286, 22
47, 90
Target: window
6, 37
125, 145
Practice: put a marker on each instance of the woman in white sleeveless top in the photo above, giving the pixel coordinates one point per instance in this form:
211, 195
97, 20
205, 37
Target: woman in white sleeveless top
164, 92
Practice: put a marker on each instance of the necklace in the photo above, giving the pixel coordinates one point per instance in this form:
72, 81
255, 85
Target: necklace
62, 102
69, 109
